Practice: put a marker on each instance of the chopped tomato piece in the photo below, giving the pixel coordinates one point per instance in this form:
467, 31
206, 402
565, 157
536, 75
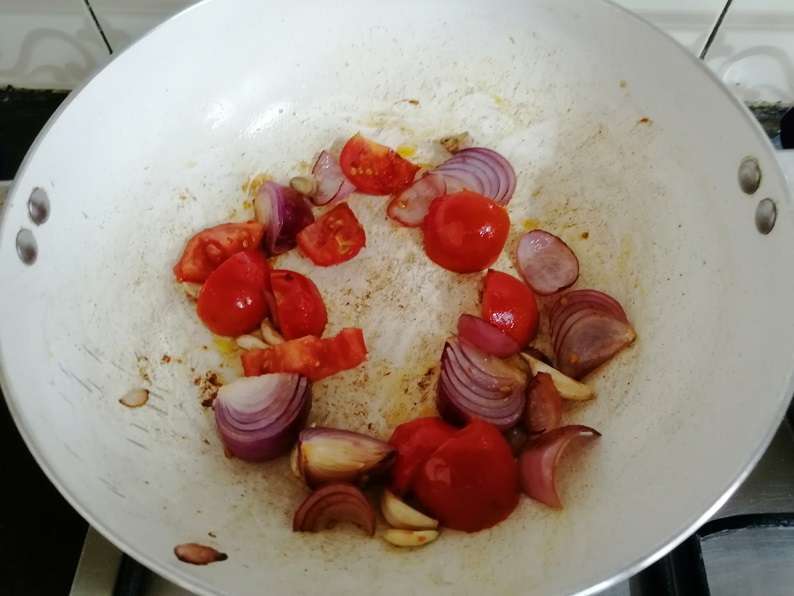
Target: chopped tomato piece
465, 231
232, 301
471, 482
415, 441
211, 247
300, 309
510, 305
375, 169
334, 238
309, 356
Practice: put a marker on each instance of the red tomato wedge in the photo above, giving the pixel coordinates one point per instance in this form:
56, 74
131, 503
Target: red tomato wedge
211, 247
471, 482
309, 356
232, 301
510, 305
300, 309
334, 238
375, 169
415, 441
465, 232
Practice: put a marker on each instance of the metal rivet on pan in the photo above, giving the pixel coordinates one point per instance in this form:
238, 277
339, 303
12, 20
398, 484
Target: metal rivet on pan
765, 215
27, 249
39, 206
749, 175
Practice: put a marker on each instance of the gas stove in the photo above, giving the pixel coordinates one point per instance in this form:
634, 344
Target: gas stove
746, 548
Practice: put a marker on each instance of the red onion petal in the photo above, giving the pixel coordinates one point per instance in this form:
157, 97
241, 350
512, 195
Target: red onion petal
334, 503
327, 455
607, 302
544, 404
496, 177
502, 166
411, 206
546, 263
590, 342
559, 335
538, 462
284, 213
488, 338
504, 375
332, 184
258, 418
466, 391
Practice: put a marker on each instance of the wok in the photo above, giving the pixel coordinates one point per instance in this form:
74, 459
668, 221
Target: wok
616, 133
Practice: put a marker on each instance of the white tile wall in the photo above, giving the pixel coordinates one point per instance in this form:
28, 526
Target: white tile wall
688, 21
753, 52
48, 43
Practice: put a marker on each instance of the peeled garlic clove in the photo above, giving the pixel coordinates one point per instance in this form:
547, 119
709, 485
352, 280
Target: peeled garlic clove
250, 342
135, 398
198, 554
409, 538
269, 334
332, 455
567, 387
401, 515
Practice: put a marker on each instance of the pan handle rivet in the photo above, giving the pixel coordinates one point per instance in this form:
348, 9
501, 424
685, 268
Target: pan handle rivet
27, 249
749, 175
765, 215
38, 206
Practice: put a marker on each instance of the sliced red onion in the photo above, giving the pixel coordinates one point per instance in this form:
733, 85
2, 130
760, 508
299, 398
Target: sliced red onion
474, 384
480, 170
538, 462
334, 503
544, 404
328, 455
546, 263
486, 337
411, 206
571, 303
259, 418
593, 297
284, 213
590, 341
332, 185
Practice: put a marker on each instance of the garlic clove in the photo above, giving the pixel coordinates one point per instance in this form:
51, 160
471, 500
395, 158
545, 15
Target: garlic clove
269, 334
251, 342
400, 515
569, 388
409, 538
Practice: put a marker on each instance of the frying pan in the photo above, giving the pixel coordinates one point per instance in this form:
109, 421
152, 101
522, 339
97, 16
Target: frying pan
617, 135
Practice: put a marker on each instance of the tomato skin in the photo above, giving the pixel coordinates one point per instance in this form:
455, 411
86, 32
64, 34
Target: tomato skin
510, 305
232, 300
471, 482
375, 169
465, 231
207, 249
309, 356
300, 309
334, 238
415, 441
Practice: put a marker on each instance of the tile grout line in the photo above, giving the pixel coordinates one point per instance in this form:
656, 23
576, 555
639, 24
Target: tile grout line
101, 31
714, 29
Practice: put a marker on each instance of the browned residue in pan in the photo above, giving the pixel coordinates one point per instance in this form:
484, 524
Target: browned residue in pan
198, 554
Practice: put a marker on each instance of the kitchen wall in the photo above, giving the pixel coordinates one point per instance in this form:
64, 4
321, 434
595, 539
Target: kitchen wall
57, 43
